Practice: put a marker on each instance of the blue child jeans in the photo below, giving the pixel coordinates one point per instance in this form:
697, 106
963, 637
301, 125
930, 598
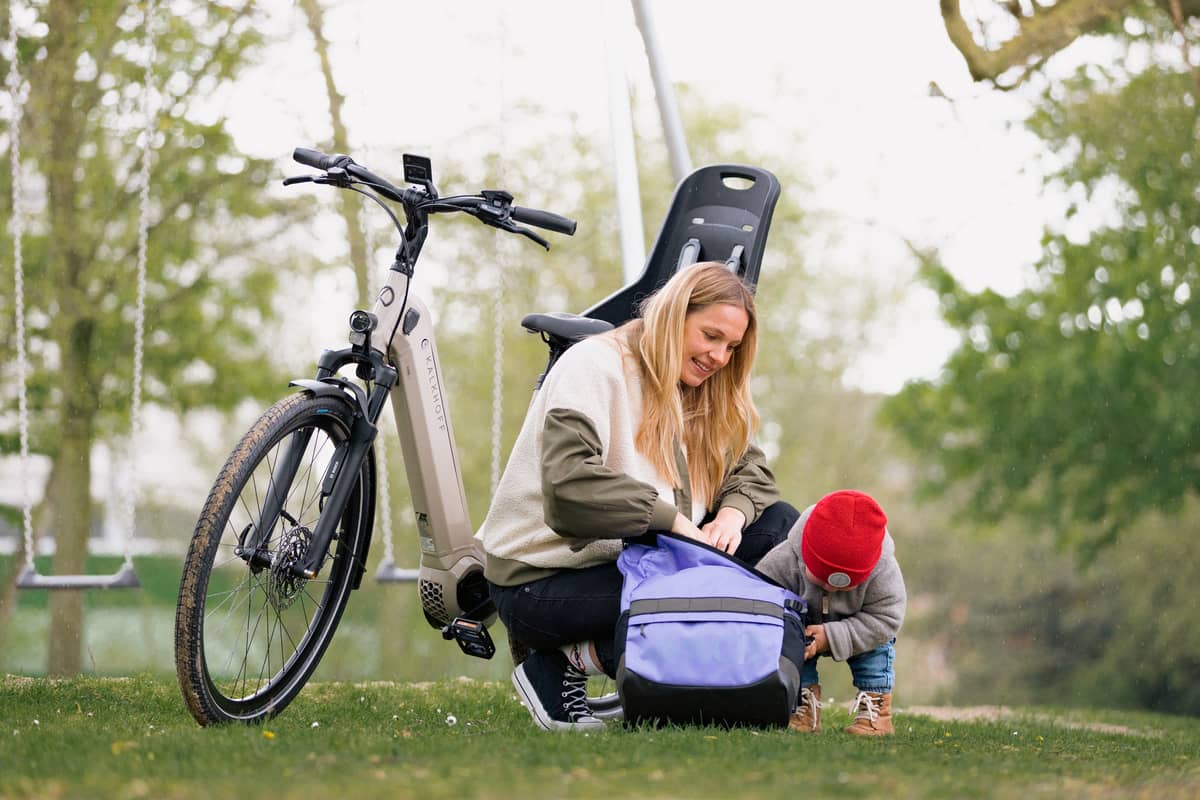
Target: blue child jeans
872, 671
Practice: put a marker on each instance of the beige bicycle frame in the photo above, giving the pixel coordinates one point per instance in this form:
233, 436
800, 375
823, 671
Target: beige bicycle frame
449, 551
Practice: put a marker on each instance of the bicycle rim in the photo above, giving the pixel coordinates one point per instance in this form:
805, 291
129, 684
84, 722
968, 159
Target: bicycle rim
247, 639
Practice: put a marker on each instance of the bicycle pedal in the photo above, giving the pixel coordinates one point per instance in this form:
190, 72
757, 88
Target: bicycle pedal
472, 636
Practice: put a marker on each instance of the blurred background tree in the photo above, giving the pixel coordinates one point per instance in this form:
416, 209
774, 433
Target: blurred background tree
210, 284
1064, 423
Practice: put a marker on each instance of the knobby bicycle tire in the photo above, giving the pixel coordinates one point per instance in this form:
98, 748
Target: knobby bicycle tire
247, 639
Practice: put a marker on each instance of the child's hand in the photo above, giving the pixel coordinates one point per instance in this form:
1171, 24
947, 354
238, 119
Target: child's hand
819, 643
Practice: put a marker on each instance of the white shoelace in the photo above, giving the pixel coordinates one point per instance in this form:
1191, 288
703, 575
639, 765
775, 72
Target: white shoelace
809, 698
575, 696
864, 707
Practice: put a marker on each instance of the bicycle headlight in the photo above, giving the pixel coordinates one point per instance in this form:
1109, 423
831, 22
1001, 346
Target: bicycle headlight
363, 321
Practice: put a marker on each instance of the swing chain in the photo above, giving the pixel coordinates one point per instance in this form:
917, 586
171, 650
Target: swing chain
384, 487
497, 378
129, 493
16, 108
498, 297
18, 226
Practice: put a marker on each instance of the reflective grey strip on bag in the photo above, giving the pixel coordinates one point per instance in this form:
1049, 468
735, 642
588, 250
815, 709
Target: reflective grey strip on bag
676, 605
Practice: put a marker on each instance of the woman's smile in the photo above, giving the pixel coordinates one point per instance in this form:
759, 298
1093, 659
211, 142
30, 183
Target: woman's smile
710, 335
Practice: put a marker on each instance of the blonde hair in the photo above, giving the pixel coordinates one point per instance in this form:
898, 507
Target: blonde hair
713, 421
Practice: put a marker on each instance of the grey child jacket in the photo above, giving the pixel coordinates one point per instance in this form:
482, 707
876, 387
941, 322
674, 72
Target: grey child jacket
859, 619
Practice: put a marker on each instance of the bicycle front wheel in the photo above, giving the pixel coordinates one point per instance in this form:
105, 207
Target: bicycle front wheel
248, 632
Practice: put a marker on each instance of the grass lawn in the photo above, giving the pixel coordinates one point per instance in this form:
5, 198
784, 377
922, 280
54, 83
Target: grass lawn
113, 737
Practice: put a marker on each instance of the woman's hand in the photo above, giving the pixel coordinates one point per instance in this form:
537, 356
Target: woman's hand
725, 531
819, 643
685, 527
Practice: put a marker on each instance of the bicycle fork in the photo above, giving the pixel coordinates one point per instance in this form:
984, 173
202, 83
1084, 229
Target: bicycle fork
341, 473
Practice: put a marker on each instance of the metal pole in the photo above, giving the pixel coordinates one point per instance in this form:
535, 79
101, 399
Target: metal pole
681, 161
620, 118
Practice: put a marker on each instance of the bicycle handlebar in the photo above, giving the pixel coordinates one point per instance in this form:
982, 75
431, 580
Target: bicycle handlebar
315, 158
544, 219
326, 162
547, 220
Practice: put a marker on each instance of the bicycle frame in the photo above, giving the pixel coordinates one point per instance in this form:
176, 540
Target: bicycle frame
450, 579
451, 573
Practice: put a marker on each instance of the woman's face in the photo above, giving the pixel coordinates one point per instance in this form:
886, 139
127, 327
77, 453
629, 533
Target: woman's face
710, 335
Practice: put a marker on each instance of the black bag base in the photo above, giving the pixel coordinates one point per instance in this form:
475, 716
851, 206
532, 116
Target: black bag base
765, 704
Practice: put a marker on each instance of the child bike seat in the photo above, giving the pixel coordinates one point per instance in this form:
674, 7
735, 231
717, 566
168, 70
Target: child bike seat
721, 212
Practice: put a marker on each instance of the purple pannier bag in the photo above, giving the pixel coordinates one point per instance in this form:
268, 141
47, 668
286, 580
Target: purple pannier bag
704, 639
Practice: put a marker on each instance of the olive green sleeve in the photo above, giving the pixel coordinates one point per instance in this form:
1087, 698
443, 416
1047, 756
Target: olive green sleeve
584, 498
750, 485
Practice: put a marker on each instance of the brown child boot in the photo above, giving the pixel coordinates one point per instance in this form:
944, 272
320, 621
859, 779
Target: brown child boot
807, 716
872, 715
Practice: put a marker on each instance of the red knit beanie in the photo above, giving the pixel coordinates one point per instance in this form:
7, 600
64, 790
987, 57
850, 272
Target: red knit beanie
843, 538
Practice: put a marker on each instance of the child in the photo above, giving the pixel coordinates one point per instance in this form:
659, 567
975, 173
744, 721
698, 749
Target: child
841, 559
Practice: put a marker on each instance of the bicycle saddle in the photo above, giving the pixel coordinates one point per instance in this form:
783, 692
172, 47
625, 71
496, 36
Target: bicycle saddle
561, 325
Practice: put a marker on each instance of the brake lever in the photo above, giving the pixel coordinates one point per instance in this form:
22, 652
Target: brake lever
488, 217
336, 176
511, 228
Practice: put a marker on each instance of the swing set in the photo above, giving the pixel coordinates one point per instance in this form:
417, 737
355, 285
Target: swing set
125, 577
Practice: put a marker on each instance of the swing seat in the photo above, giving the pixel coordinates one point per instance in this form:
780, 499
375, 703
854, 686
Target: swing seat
124, 578
388, 572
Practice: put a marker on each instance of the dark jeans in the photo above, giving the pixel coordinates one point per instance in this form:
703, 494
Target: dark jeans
578, 605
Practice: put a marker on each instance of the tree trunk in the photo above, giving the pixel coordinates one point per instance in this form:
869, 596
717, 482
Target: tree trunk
73, 327
74, 517
349, 204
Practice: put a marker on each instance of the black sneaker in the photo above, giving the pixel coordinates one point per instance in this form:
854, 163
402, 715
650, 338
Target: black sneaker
554, 692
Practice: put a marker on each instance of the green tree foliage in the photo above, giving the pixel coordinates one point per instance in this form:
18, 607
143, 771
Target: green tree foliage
1072, 402
209, 286
1015, 621
1064, 423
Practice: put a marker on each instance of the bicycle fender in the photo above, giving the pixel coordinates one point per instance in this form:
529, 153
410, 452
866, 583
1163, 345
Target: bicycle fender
326, 387
330, 387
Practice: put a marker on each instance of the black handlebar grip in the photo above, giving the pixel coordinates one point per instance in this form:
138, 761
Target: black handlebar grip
314, 158
544, 219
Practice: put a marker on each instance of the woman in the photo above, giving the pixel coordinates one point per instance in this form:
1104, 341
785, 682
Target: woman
646, 427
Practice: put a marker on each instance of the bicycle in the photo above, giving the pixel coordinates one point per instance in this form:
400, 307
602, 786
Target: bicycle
284, 535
